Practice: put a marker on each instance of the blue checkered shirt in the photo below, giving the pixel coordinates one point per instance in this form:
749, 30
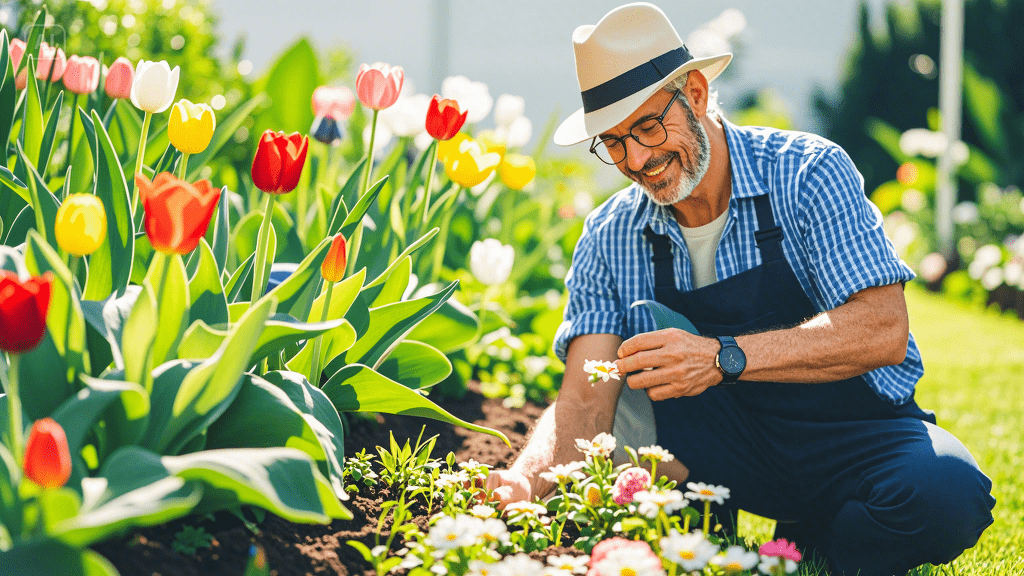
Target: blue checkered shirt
833, 241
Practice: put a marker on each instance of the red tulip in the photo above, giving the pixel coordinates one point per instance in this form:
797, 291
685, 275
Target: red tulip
379, 85
279, 161
82, 75
333, 268
177, 213
120, 76
335, 102
47, 457
443, 118
23, 307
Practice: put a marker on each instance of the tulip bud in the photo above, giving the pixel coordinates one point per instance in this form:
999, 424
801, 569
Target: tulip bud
278, 162
81, 225
177, 213
23, 307
154, 86
378, 86
47, 457
491, 261
444, 119
335, 102
50, 56
82, 75
517, 170
119, 78
333, 268
191, 126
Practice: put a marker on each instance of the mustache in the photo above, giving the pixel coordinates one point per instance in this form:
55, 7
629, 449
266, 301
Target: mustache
652, 164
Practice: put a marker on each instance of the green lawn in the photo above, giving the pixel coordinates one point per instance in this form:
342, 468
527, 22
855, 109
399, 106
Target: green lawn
974, 380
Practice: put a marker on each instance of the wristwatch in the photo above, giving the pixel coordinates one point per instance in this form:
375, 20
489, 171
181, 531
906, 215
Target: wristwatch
731, 360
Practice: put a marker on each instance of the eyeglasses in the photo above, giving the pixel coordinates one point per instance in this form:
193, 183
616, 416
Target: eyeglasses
649, 133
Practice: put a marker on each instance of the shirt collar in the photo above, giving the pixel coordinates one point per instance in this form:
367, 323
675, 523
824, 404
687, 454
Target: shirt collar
746, 181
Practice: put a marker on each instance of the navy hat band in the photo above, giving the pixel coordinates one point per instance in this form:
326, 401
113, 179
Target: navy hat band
632, 81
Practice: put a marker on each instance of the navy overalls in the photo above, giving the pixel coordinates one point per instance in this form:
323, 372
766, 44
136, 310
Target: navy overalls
867, 486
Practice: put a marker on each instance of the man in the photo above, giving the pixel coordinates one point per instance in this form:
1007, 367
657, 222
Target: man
798, 395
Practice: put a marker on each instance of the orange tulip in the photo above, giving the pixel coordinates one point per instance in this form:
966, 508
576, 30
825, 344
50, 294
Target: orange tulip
177, 213
333, 268
47, 457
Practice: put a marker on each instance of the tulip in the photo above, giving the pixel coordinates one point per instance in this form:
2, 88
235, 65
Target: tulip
154, 86
326, 129
47, 456
444, 119
190, 129
17, 52
335, 102
177, 213
518, 133
82, 75
517, 170
119, 78
473, 96
448, 149
81, 225
492, 141
507, 108
333, 270
405, 117
490, 261
471, 165
50, 57
379, 85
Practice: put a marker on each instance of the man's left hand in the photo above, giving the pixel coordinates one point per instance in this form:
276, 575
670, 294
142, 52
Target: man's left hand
669, 363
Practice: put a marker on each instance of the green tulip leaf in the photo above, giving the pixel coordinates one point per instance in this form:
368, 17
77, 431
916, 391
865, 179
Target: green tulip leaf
222, 231
8, 99
173, 304
416, 365
296, 293
208, 302
339, 211
54, 558
138, 337
108, 318
392, 289
282, 330
32, 120
355, 216
449, 329
337, 340
358, 388
239, 286
42, 200
289, 83
49, 133
200, 341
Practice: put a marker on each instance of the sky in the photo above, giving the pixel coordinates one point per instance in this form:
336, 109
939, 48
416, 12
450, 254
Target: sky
524, 47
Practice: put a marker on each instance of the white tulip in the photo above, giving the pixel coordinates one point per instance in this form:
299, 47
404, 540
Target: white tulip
407, 116
473, 97
507, 108
491, 261
516, 134
155, 86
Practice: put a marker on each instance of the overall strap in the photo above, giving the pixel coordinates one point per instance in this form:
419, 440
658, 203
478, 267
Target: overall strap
769, 235
664, 271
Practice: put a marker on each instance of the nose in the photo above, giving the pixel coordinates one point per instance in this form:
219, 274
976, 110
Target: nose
636, 154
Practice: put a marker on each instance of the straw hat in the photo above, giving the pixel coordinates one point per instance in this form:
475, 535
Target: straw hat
629, 55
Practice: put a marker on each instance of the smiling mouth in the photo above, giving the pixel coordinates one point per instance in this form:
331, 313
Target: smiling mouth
658, 170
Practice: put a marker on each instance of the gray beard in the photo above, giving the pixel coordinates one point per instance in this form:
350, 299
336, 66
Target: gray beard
691, 173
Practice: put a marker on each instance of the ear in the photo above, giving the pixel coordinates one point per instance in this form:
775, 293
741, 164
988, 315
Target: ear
696, 92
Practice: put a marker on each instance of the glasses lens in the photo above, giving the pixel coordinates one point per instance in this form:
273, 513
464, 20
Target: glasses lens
610, 151
650, 133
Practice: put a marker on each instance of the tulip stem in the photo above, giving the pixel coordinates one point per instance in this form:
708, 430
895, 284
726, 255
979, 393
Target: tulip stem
430, 181
314, 373
71, 136
357, 237
183, 166
140, 159
442, 239
14, 407
260, 260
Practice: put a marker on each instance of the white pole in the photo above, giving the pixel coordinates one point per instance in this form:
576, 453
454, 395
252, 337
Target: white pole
950, 96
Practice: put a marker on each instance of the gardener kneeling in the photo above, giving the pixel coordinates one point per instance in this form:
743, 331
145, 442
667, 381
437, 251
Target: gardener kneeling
799, 396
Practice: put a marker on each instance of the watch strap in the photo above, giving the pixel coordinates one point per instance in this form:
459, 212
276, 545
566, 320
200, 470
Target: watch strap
726, 342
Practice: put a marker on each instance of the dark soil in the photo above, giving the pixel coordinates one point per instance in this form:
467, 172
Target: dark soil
301, 549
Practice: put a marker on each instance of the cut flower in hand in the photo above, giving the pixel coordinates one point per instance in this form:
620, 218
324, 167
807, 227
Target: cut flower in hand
600, 370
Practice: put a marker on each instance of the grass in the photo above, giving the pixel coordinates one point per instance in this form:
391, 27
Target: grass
974, 381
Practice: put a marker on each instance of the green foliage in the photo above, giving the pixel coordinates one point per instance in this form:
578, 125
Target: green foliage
190, 539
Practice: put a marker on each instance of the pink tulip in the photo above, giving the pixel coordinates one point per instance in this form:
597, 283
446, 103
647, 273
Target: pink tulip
120, 76
17, 51
336, 102
378, 86
50, 56
82, 75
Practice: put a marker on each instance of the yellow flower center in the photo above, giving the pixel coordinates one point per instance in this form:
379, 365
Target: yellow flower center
687, 555
733, 566
706, 492
450, 537
627, 571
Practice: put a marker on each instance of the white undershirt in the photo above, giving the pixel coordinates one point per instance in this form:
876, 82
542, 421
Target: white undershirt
634, 415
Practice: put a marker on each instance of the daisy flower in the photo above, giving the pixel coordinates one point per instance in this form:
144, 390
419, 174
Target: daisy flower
649, 502
600, 370
563, 472
770, 565
569, 563
736, 559
707, 492
525, 507
656, 453
602, 445
451, 532
592, 494
626, 562
482, 511
519, 565
492, 530
691, 551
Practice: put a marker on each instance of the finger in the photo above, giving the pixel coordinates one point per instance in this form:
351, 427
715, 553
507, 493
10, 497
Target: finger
639, 361
493, 481
649, 378
663, 392
645, 341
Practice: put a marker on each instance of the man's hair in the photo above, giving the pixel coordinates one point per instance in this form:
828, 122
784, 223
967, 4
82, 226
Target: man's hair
679, 83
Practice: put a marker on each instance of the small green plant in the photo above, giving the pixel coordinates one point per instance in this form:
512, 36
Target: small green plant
190, 539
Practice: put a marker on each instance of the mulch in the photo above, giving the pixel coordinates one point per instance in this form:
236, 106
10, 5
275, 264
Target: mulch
302, 549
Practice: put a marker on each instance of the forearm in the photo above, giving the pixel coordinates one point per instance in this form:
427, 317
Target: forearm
867, 332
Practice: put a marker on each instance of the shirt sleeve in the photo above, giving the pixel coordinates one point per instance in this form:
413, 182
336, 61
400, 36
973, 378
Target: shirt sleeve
846, 246
593, 306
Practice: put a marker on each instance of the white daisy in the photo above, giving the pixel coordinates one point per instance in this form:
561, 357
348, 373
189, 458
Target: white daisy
482, 511
525, 507
563, 472
707, 492
736, 559
600, 370
457, 479
570, 563
451, 532
656, 453
492, 530
691, 551
649, 502
603, 444
520, 565
769, 565
481, 568
629, 563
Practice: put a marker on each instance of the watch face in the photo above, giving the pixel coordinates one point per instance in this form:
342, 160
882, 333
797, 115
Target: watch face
732, 360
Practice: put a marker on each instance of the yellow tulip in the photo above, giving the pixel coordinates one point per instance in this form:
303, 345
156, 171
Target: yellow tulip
81, 225
492, 141
191, 126
517, 170
447, 148
470, 165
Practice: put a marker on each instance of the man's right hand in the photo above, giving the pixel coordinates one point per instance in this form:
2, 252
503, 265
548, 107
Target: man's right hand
508, 486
